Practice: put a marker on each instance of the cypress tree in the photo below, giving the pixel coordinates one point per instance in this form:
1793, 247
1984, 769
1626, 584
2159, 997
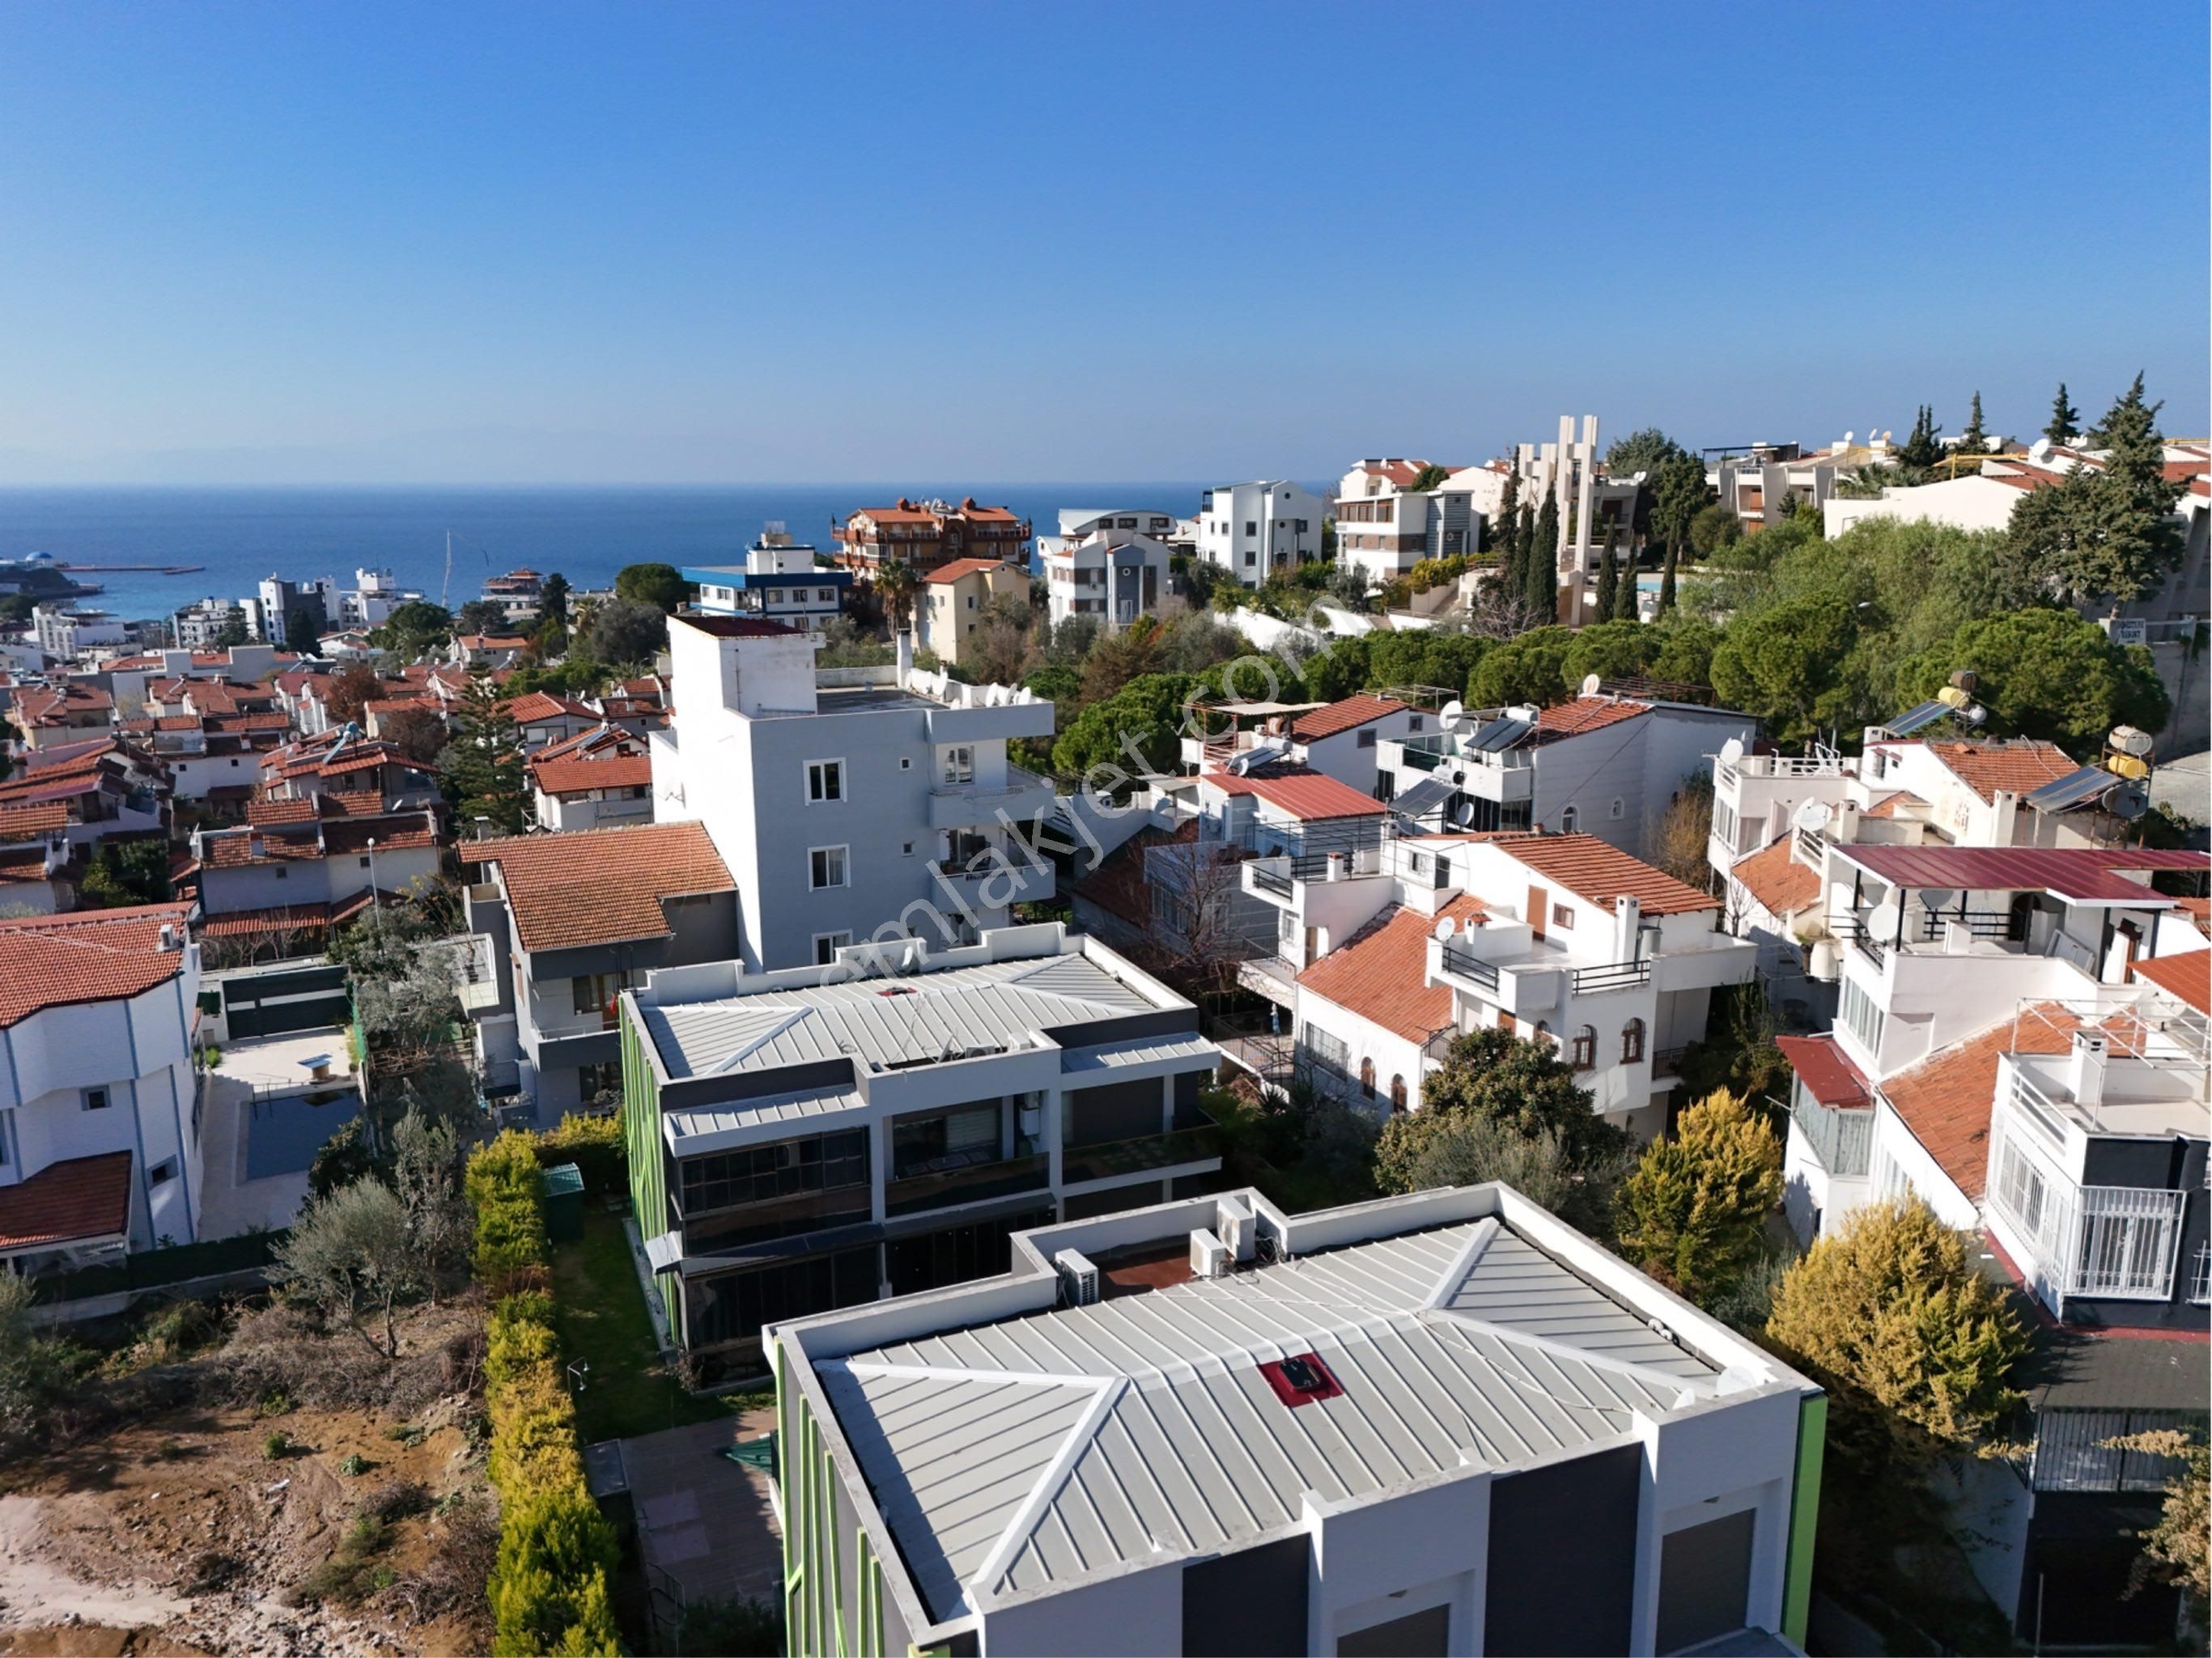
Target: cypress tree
1974, 441
1543, 572
2065, 419
1608, 582
1667, 584
1920, 450
1625, 606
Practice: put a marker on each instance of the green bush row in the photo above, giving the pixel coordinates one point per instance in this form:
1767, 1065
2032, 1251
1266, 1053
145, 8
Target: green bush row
595, 1145
549, 1588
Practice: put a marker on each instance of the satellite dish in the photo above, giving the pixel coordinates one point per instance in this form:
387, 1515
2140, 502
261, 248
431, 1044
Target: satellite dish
1451, 714
2126, 739
1881, 921
1934, 898
1590, 684
1446, 927
1813, 817
1731, 750
1974, 714
2128, 802
1463, 814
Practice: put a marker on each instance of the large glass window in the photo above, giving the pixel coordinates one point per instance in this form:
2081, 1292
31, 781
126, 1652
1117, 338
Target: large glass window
758, 1173
734, 1309
951, 1140
1861, 1017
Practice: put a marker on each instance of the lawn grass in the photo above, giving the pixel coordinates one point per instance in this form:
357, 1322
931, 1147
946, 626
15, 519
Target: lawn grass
599, 1311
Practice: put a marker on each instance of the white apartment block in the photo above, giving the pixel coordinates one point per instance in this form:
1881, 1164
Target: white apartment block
1384, 526
1110, 564
1211, 1426
62, 633
807, 1138
100, 1148
851, 802
1342, 739
780, 580
1254, 530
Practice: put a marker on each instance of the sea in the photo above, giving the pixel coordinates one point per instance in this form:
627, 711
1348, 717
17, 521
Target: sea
241, 536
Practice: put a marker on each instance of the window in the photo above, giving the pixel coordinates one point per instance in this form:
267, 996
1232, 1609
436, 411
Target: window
950, 1139
1724, 824
1367, 1078
96, 1099
1569, 817
1366, 738
826, 595
906, 763
906, 849
827, 945
956, 765
1631, 1042
825, 780
1251, 558
826, 867
2200, 1275
282, 873
760, 1173
1326, 1051
162, 1172
1562, 917
364, 863
1251, 526
1397, 1096
1861, 1017
1617, 810
1585, 1048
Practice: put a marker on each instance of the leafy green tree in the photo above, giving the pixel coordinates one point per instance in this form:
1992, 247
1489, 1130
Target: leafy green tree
1920, 449
1609, 581
1138, 650
2178, 1546
2111, 533
1148, 710
1343, 668
1522, 1085
126, 872
1611, 650
1974, 441
1683, 652
1678, 495
1694, 1211
1644, 451
1531, 668
1715, 527
349, 1256
896, 584
659, 584
481, 616
484, 763
34, 1368
414, 629
553, 598
626, 631
1498, 535
1541, 573
1789, 665
1419, 657
1466, 1148
1430, 476
1627, 604
232, 632
2064, 425
1916, 1348
2049, 674
300, 635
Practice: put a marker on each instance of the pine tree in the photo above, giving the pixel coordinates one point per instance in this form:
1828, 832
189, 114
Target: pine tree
1609, 581
1920, 450
1542, 574
1666, 584
1625, 604
1974, 441
485, 760
1694, 1211
2065, 419
1497, 534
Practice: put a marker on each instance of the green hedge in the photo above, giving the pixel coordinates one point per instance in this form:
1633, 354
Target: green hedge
594, 1144
548, 1588
148, 1269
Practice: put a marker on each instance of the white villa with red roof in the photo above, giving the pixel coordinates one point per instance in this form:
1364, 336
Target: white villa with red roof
600, 779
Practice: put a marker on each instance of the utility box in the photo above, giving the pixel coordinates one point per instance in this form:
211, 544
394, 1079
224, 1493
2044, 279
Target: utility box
563, 1189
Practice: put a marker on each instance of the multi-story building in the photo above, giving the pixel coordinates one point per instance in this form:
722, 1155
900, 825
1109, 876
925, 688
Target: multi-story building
808, 1138
1212, 1426
1340, 739
1384, 526
563, 923
340, 761
87, 792
924, 534
369, 603
1766, 483
1112, 565
100, 1148
853, 801
1605, 763
1256, 530
778, 581
955, 599
518, 594
601, 779
60, 712
301, 866
200, 625
62, 633
280, 602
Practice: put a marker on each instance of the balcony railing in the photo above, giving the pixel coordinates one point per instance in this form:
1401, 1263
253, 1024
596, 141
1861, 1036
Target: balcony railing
1458, 959
2038, 1110
1268, 880
941, 1187
1088, 1163
1844, 1141
1614, 975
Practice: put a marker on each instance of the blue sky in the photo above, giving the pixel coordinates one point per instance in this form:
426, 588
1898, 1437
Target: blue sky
600, 243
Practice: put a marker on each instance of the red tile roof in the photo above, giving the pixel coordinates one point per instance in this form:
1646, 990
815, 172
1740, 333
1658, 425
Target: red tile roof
601, 886
40, 705
1310, 796
2187, 976
1401, 473
1585, 715
622, 771
1826, 1071
87, 956
2020, 766
1891, 805
281, 811
1946, 1100
1342, 716
1782, 885
77, 1200
1381, 972
1600, 873
21, 823
958, 568
538, 705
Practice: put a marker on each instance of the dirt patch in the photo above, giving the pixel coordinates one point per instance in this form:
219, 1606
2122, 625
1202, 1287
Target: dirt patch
192, 1529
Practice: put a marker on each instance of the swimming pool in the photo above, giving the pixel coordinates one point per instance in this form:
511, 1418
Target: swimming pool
285, 1131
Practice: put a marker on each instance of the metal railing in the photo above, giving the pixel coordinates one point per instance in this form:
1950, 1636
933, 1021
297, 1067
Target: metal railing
941, 1187
1462, 961
1268, 880
1812, 846
1844, 1141
2038, 1110
1129, 1156
1981, 923
1667, 1061
1854, 932
1614, 975
2127, 1240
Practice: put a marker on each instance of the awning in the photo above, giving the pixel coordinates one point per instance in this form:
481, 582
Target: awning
1828, 1077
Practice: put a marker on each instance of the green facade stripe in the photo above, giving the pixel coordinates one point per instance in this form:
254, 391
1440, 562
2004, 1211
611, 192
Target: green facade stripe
1804, 1516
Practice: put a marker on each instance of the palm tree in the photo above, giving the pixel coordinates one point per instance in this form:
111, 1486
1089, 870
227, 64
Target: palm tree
896, 582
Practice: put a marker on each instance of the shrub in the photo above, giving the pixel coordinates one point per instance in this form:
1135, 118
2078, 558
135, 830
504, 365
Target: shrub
501, 1187
276, 1447
595, 1145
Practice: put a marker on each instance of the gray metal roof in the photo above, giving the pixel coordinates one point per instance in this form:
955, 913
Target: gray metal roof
694, 1131
886, 1022
1138, 1051
1043, 1449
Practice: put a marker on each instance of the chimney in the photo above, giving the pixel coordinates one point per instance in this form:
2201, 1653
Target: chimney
2085, 1067
1336, 866
905, 640
1846, 832
1627, 927
169, 942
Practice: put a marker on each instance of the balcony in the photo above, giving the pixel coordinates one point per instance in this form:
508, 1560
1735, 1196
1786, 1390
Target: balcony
929, 1186
1613, 976
475, 973
1199, 1143
1463, 963
1842, 1140
1020, 797
982, 881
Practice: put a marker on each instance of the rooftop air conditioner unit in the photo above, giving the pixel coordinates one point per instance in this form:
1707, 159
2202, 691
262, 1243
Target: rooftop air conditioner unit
1078, 1278
1209, 1255
1233, 1220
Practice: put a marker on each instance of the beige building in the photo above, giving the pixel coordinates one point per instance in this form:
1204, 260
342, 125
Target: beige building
954, 599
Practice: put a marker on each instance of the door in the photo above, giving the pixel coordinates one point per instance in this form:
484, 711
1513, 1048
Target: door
1539, 907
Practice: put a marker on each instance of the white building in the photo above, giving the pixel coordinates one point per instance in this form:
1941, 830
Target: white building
601, 779
780, 581
200, 625
1254, 530
1111, 564
1342, 739
100, 1146
853, 801
1210, 1426
1384, 526
817, 1136
62, 633
1606, 764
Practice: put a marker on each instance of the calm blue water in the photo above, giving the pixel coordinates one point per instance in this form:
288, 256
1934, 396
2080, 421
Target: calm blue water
284, 1133
587, 534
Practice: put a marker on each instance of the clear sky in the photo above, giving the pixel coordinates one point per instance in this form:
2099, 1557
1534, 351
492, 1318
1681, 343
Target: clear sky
736, 242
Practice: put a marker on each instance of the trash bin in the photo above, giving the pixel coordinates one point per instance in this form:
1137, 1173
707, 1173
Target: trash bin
563, 1189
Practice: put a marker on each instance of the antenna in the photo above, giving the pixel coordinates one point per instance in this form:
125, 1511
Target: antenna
1731, 750
1934, 898
1881, 921
445, 585
1591, 682
1463, 814
1451, 714
1813, 817
1446, 927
